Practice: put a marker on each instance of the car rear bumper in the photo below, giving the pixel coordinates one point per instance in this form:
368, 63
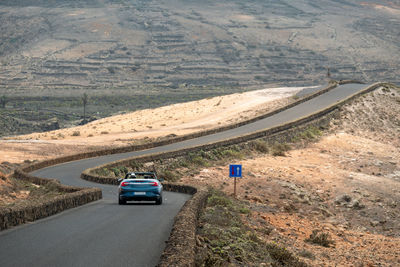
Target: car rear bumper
133, 196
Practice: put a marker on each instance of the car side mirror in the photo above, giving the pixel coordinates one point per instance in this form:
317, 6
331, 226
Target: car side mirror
161, 179
120, 180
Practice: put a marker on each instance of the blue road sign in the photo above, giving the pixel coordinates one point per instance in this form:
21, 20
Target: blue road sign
235, 170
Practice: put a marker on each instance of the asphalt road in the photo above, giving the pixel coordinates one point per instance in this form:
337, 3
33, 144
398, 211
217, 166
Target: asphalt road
106, 234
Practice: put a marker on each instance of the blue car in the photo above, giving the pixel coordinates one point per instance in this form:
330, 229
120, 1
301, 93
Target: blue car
138, 186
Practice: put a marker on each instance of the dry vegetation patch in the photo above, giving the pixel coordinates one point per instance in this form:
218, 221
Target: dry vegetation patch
16, 193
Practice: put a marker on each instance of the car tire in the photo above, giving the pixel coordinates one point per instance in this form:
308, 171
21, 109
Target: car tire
121, 201
159, 201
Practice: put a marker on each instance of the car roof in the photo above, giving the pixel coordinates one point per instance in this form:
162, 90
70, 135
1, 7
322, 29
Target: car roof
152, 173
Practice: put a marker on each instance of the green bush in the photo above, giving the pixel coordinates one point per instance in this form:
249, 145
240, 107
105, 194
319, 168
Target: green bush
219, 200
260, 146
116, 171
199, 161
103, 172
279, 149
320, 238
169, 176
282, 256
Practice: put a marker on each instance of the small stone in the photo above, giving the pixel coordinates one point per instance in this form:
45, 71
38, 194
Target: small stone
374, 223
343, 198
356, 205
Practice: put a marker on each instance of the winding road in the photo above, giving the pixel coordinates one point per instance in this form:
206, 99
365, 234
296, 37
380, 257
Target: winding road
103, 233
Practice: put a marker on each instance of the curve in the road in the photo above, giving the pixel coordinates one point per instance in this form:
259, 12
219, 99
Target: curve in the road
105, 234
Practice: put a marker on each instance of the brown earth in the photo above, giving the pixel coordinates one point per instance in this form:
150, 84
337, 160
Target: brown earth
347, 184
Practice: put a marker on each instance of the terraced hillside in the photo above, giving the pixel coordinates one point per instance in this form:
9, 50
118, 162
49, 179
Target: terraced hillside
185, 49
120, 44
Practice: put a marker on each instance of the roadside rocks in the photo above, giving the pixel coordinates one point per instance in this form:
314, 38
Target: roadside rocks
299, 194
347, 201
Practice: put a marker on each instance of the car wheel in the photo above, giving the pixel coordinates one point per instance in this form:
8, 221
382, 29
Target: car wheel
121, 201
159, 201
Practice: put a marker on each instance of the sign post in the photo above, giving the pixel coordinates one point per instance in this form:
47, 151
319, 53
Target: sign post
235, 171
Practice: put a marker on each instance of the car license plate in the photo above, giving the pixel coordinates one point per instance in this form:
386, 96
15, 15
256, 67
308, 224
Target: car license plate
140, 193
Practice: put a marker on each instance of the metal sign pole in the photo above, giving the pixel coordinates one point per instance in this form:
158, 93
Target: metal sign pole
235, 171
234, 188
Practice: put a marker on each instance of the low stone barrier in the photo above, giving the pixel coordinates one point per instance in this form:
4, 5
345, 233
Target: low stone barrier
181, 246
74, 197
88, 174
78, 196
180, 250
51, 162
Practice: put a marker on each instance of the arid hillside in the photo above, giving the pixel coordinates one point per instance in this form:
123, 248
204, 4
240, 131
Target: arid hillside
345, 185
133, 55
124, 45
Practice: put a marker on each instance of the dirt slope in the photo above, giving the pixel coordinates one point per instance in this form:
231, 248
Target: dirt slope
346, 185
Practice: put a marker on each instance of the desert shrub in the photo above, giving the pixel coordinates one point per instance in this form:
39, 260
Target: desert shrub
76, 133
280, 149
103, 172
260, 146
104, 132
116, 171
282, 256
311, 133
135, 165
123, 169
320, 238
232, 154
198, 161
219, 200
169, 176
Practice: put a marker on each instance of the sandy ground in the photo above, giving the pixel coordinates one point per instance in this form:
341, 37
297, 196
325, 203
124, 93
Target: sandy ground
293, 195
139, 126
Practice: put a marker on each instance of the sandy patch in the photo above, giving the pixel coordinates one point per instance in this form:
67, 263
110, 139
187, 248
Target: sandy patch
119, 130
243, 17
390, 10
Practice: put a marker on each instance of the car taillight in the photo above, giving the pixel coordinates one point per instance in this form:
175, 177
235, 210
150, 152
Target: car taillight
154, 184
124, 184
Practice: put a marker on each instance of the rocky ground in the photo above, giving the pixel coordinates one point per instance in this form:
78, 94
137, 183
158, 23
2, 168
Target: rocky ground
346, 186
